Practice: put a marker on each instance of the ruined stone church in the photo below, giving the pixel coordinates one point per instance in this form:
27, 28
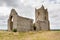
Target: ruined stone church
23, 24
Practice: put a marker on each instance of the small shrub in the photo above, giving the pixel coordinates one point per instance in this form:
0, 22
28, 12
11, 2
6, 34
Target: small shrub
14, 30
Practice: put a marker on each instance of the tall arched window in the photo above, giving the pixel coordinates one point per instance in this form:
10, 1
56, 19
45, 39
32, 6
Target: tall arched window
11, 18
45, 16
11, 22
38, 13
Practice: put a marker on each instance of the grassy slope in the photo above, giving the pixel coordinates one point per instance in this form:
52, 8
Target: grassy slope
41, 35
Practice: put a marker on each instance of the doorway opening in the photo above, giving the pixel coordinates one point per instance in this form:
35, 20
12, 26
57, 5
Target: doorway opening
34, 28
11, 22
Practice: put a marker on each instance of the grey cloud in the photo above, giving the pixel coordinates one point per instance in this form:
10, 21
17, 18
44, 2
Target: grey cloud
1, 2
27, 11
54, 1
13, 3
3, 21
3, 17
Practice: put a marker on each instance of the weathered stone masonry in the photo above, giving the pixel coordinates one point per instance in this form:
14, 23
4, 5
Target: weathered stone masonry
18, 22
23, 24
41, 19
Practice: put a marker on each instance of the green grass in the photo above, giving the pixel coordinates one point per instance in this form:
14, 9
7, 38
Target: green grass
32, 35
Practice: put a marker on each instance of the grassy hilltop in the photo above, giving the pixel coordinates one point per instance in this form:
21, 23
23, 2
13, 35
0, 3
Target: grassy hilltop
40, 35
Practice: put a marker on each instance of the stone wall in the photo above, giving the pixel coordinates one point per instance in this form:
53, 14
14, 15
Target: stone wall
20, 23
12, 21
24, 24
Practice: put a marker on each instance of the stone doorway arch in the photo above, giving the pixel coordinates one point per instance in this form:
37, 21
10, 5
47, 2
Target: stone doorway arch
34, 28
11, 22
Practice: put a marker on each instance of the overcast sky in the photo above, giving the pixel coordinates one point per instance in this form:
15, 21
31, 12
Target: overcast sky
26, 8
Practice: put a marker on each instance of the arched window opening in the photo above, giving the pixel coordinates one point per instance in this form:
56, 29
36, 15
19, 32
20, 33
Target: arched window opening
38, 13
45, 17
11, 18
11, 22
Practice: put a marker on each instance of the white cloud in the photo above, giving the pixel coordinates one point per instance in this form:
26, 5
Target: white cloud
4, 10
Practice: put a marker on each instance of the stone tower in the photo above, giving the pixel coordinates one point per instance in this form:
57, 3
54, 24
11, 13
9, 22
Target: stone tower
41, 19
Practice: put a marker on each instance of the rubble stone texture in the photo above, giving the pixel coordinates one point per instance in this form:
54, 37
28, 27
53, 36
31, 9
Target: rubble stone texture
23, 24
